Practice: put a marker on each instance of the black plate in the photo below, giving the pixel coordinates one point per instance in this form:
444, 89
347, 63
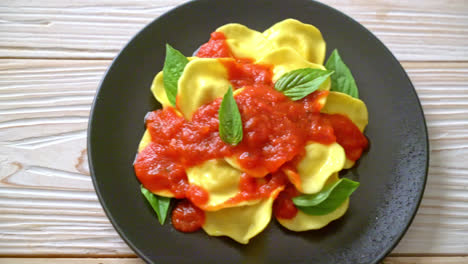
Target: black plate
392, 173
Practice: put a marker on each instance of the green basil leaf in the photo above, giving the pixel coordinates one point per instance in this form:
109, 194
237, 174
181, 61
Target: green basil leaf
174, 65
342, 81
299, 83
327, 200
230, 122
160, 204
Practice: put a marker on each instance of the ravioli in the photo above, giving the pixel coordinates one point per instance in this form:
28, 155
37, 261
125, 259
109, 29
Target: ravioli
220, 180
304, 222
348, 164
319, 162
240, 223
245, 42
353, 108
257, 172
157, 88
303, 38
285, 60
202, 81
230, 209
145, 140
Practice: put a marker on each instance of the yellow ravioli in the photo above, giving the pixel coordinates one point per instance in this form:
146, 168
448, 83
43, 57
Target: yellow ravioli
304, 222
202, 81
303, 38
285, 60
319, 162
220, 180
157, 88
353, 108
348, 164
245, 42
258, 172
240, 223
145, 140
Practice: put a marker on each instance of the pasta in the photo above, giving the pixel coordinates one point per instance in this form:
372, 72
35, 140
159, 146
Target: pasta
259, 127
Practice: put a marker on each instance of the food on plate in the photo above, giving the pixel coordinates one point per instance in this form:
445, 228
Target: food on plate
253, 125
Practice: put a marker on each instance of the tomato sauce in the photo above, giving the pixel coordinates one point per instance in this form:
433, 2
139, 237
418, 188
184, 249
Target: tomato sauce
216, 47
283, 207
242, 72
347, 135
251, 188
275, 131
186, 217
197, 195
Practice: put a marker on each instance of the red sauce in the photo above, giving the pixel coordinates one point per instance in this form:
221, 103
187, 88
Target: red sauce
157, 171
245, 73
216, 47
197, 195
254, 188
283, 207
275, 130
186, 217
347, 135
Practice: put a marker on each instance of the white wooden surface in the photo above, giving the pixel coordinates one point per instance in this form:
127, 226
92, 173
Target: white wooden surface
54, 53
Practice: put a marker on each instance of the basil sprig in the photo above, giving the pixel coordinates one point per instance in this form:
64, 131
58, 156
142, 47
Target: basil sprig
299, 83
230, 122
342, 81
174, 65
160, 204
327, 200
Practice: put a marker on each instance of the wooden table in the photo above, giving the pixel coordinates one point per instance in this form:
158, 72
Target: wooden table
54, 53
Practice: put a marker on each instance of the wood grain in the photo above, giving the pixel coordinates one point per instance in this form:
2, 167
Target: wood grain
434, 30
53, 54
47, 201
48, 204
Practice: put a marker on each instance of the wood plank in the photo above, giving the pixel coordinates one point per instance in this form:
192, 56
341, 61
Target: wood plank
45, 187
48, 204
389, 260
435, 30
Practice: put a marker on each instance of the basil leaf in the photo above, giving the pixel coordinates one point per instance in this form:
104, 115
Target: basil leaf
327, 200
342, 81
160, 204
174, 65
299, 83
230, 122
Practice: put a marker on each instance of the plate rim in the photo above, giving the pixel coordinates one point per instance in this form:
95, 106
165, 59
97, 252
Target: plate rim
121, 232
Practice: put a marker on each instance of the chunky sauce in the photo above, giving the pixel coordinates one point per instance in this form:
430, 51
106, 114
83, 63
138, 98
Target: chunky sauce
186, 217
283, 207
347, 135
216, 47
275, 129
